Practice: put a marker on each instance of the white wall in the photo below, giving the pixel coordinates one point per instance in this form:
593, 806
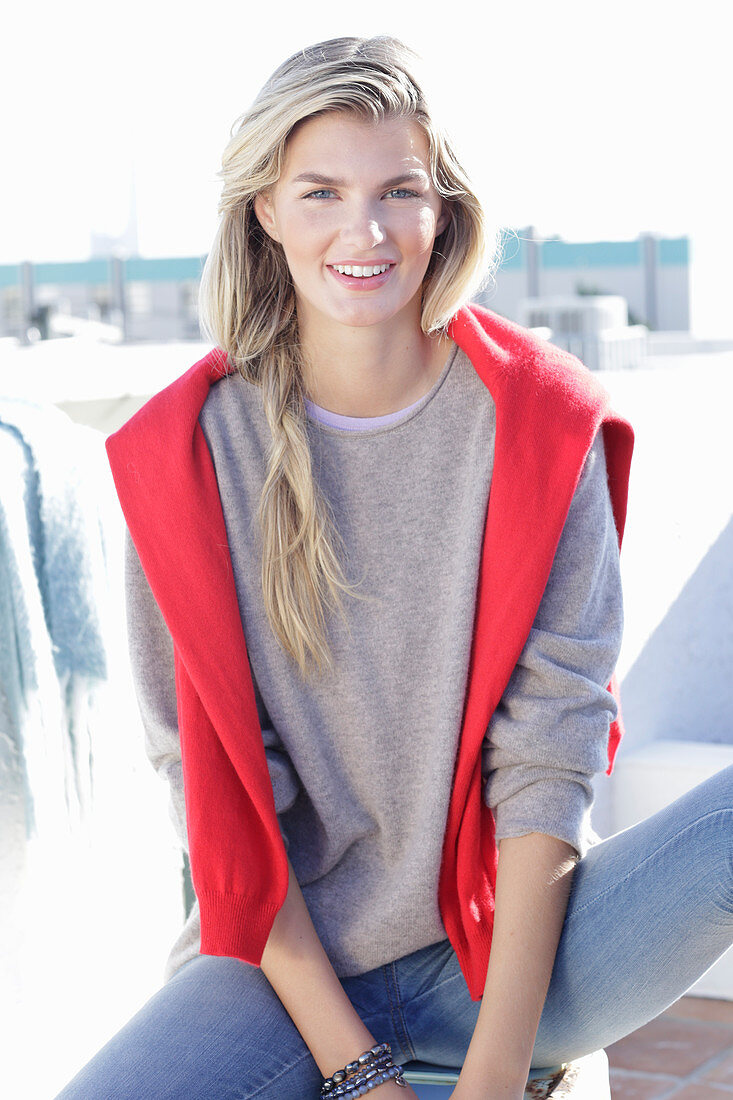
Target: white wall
673, 297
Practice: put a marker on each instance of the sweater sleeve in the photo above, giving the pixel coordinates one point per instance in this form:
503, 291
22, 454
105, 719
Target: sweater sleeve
549, 734
153, 672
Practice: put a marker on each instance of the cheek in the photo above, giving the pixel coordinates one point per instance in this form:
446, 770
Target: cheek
300, 233
425, 230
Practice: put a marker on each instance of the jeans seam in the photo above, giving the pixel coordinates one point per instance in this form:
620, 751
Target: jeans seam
438, 985
652, 855
398, 1019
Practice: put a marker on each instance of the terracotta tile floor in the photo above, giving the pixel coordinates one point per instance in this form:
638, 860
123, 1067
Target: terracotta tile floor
686, 1053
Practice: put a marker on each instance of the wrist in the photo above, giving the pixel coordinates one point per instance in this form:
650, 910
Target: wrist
489, 1090
490, 1082
343, 1046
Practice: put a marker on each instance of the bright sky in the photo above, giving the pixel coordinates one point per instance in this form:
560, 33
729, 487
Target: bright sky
592, 120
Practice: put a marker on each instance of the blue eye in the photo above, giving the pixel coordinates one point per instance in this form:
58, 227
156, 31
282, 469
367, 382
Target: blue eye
401, 193
324, 192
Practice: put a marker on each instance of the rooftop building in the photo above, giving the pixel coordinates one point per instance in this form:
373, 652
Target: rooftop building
156, 299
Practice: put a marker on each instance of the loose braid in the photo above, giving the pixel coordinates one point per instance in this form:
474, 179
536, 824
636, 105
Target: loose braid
301, 572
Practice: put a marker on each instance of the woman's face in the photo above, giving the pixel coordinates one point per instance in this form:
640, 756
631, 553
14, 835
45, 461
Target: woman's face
356, 214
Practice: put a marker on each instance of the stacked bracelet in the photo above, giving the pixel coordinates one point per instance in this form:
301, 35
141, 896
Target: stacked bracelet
370, 1069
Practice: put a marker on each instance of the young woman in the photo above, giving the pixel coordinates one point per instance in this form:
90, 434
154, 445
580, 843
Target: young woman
375, 611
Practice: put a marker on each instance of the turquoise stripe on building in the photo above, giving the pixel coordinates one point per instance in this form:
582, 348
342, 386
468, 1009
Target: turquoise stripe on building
674, 250
9, 274
567, 254
177, 269
174, 269
558, 254
91, 272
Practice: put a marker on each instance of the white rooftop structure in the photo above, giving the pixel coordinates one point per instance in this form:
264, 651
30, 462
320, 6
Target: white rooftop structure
594, 327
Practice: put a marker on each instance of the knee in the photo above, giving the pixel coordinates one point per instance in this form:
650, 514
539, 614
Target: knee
716, 812
713, 796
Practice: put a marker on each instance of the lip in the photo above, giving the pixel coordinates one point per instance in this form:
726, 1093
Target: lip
361, 263
372, 282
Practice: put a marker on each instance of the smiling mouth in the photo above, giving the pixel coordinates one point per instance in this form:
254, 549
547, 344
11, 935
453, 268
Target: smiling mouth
361, 271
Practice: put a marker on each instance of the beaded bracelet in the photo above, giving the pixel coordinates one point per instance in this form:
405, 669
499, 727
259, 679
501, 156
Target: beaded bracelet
363, 1061
373, 1067
371, 1076
392, 1073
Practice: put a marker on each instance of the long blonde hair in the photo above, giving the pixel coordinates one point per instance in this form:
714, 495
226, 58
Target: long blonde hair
247, 306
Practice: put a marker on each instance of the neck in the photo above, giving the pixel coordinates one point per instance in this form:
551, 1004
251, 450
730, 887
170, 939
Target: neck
370, 371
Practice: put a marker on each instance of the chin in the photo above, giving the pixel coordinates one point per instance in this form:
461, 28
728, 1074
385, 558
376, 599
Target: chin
365, 314
364, 320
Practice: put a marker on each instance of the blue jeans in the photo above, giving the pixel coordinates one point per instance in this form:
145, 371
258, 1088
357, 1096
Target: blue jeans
650, 910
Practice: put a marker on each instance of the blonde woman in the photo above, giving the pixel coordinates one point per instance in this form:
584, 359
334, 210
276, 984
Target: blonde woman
375, 611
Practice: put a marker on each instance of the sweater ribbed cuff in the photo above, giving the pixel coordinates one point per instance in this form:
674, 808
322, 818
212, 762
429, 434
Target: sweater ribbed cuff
235, 925
555, 807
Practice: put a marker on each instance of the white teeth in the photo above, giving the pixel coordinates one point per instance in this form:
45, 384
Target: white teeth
359, 271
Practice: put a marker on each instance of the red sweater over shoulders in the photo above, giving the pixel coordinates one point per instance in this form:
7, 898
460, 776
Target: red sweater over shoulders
548, 410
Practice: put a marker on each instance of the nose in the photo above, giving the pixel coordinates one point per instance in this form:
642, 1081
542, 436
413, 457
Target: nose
362, 229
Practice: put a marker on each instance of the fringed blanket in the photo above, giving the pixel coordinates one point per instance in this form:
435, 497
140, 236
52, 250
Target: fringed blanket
53, 595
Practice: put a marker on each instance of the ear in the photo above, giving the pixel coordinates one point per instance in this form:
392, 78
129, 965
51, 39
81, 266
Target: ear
443, 218
265, 214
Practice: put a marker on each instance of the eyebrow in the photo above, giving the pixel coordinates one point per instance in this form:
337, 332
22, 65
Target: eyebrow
329, 181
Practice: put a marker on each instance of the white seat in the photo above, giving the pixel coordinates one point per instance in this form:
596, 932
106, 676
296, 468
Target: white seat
585, 1079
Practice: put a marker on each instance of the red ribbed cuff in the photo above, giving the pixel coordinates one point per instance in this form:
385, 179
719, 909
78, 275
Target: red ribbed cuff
235, 925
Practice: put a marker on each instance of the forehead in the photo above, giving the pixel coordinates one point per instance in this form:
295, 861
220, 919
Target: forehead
333, 140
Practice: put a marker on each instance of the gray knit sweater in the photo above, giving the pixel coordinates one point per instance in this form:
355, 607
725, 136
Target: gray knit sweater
361, 760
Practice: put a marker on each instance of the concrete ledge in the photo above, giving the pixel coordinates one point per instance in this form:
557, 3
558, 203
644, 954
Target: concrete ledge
585, 1079
647, 779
